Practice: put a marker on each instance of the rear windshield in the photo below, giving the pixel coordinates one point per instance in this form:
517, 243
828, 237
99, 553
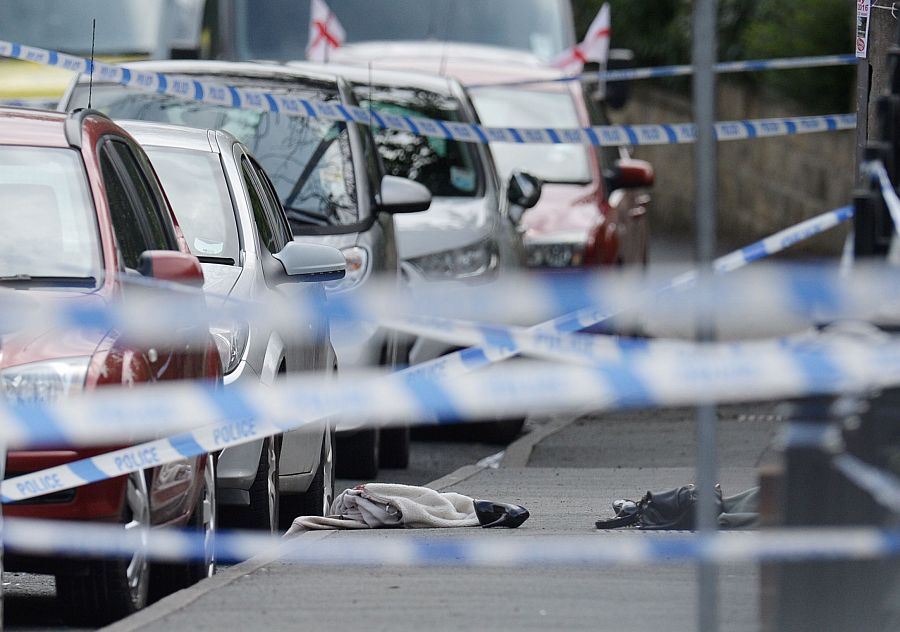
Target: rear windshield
309, 160
48, 227
447, 168
533, 108
195, 184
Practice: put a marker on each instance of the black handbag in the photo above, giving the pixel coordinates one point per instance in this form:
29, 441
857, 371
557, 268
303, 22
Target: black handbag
672, 509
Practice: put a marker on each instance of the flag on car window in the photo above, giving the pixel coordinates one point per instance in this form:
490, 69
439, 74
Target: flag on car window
595, 46
325, 32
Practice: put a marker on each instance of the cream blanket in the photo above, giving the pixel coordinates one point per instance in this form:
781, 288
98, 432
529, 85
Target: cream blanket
379, 505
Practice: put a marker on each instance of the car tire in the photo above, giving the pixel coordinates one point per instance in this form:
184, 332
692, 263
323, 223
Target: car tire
315, 501
499, 432
394, 449
116, 588
359, 454
262, 513
169, 578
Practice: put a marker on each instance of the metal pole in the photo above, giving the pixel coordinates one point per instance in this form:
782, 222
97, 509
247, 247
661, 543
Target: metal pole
2, 476
705, 173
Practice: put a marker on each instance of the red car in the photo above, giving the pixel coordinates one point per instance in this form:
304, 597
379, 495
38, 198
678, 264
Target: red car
593, 205
82, 212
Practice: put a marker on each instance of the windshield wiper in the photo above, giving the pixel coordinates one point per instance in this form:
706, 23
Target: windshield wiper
27, 279
302, 216
222, 261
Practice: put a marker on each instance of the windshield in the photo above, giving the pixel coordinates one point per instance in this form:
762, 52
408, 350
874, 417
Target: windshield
526, 108
194, 182
278, 29
447, 168
308, 160
48, 230
123, 26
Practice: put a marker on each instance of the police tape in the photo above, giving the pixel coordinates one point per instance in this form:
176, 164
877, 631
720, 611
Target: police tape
888, 192
29, 425
684, 70
643, 378
792, 294
43, 538
264, 101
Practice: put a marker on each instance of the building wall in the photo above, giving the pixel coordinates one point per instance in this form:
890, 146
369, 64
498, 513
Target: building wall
764, 185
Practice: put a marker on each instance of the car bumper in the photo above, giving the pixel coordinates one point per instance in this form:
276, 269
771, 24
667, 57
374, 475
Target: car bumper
237, 465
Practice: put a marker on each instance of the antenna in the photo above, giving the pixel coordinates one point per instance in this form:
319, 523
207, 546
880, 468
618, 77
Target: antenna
91, 79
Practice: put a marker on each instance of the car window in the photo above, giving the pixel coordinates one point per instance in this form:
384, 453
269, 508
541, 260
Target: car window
309, 160
445, 167
159, 233
264, 228
127, 220
196, 185
279, 219
48, 226
504, 107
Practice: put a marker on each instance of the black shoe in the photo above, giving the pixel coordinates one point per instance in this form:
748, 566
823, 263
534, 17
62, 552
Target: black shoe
491, 514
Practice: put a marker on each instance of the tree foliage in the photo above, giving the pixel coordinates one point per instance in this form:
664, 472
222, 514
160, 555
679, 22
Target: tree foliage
659, 32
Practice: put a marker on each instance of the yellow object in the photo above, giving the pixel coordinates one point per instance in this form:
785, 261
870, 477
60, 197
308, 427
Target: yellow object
30, 82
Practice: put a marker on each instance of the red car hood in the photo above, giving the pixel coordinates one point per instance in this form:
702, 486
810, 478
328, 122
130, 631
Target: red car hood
563, 208
34, 344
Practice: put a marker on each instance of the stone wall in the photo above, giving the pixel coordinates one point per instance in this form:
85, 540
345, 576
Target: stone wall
764, 185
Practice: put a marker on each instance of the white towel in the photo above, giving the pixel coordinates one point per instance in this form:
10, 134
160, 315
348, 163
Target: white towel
379, 505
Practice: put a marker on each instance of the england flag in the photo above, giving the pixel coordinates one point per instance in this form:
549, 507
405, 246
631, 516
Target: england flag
595, 46
325, 32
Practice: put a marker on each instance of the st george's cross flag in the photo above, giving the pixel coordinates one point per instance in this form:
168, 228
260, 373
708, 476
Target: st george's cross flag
325, 32
595, 46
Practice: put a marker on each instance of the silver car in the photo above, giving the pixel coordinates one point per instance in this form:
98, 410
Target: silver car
331, 184
471, 231
233, 222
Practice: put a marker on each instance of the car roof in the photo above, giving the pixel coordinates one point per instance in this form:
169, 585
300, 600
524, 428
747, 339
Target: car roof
44, 128
469, 63
249, 70
385, 77
165, 135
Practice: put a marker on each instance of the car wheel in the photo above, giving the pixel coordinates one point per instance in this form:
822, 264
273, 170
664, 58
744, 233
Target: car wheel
112, 589
315, 501
394, 449
359, 454
169, 578
262, 513
499, 432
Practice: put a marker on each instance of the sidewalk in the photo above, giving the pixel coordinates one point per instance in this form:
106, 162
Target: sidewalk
568, 482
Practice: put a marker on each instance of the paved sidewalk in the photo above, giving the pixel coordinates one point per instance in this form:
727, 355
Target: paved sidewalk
569, 482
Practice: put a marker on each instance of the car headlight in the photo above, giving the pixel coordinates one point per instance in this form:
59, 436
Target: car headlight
558, 255
231, 340
43, 382
460, 263
357, 270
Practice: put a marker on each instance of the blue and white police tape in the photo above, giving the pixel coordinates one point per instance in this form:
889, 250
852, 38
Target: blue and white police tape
881, 485
888, 192
259, 100
790, 293
446, 367
423, 549
684, 70
639, 378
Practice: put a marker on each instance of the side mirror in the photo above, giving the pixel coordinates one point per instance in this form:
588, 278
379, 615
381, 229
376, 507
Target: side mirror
523, 189
172, 266
630, 174
401, 195
312, 263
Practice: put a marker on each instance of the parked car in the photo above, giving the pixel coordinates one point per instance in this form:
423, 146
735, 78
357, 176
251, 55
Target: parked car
235, 225
471, 233
593, 206
276, 30
332, 186
83, 213
126, 30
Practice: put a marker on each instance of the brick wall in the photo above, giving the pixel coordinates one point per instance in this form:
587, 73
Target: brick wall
764, 185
